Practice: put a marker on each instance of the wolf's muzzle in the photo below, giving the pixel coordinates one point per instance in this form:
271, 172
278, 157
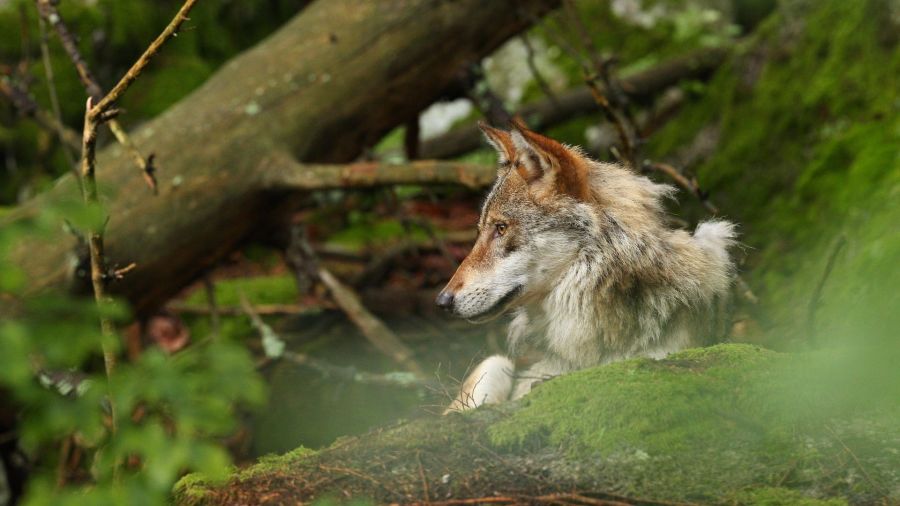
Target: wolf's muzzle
444, 300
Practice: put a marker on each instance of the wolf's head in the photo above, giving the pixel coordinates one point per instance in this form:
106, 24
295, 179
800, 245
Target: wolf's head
531, 225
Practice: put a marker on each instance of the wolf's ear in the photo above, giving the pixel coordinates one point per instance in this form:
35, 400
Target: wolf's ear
500, 140
548, 166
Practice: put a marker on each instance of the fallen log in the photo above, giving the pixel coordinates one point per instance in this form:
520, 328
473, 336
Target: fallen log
327, 85
578, 102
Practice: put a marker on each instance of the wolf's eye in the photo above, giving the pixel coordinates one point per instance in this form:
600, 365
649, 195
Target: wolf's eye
499, 229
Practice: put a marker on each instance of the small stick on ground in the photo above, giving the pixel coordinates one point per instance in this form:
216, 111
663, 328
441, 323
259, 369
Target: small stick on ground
373, 328
304, 263
425, 490
325, 368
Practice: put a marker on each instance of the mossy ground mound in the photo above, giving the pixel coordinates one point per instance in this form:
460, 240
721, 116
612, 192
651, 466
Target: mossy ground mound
708, 425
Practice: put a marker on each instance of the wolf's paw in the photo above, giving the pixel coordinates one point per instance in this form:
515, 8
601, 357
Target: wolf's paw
490, 383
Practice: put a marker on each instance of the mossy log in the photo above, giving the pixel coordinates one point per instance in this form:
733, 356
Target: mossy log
732, 424
323, 88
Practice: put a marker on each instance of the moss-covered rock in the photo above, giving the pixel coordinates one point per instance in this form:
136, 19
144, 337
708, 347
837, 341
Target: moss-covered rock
727, 424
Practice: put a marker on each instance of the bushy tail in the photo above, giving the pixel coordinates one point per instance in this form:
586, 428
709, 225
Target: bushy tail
715, 237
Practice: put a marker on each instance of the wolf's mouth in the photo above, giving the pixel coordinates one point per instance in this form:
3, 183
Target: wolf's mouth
498, 308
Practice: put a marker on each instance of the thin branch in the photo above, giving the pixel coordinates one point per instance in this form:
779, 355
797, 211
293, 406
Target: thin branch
281, 171
483, 97
142, 62
816, 298
27, 107
215, 319
397, 380
859, 464
690, 185
535, 73
98, 262
49, 12
54, 98
373, 328
148, 170
94, 116
563, 498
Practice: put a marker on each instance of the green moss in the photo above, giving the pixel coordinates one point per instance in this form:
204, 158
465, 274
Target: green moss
275, 463
781, 497
619, 406
195, 488
731, 424
192, 489
701, 422
364, 230
276, 289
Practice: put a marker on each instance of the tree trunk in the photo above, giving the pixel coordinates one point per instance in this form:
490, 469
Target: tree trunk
327, 85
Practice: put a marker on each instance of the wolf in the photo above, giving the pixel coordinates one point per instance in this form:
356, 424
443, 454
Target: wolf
578, 252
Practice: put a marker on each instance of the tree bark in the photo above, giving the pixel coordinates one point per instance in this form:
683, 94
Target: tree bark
327, 85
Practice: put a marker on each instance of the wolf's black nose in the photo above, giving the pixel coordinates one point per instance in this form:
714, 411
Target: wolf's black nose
444, 299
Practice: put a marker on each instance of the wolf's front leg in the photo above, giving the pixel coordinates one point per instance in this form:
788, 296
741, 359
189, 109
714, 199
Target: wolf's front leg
538, 373
490, 383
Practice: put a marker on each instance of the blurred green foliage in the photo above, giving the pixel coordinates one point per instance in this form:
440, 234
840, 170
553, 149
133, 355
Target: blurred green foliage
111, 35
187, 400
809, 153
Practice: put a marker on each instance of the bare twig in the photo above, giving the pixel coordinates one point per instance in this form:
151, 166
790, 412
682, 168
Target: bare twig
94, 116
51, 14
816, 298
425, 489
859, 464
690, 185
62, 474
54, 98
535, 73
398, 380
95, 242
483, 97
27, 107
215, 320
563, 498
142, 62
